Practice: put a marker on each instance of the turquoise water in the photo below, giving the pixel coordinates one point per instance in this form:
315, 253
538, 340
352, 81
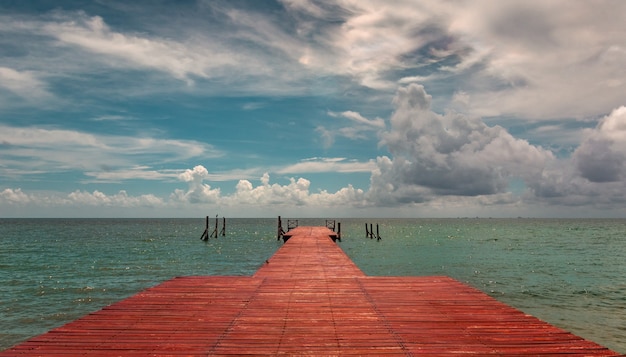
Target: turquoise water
570, 273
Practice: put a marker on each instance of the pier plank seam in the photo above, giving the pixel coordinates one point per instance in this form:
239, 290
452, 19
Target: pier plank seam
310, 299
386, 323
234, 320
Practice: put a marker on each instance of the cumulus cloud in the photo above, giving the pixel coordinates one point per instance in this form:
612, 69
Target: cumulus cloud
443, 161
198, 191
15, 196
594, 175
78, 198
120, 199
296, 193
449, 154
520, 59
601, 157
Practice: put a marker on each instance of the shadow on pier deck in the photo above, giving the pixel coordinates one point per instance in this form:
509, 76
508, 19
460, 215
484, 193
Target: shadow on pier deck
308, 299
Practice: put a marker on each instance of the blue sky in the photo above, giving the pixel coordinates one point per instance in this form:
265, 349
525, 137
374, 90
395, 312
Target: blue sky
304, 108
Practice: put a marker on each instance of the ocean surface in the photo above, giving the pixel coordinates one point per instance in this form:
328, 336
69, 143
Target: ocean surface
571, 273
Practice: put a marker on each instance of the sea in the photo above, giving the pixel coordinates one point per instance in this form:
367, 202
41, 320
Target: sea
568, 272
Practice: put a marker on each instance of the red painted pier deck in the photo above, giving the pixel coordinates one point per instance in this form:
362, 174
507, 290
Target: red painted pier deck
308, 299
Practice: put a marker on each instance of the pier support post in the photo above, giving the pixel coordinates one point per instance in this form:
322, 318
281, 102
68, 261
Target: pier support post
280, 232
205, 235
214, 234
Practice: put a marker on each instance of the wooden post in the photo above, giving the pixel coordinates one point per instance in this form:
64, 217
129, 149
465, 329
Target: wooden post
205, 235
214, 234
371, 231
339, 231
377, 234
280, 232
367, 233
223, 226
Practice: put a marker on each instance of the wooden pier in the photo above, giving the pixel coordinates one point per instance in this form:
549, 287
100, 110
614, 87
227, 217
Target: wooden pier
308, 299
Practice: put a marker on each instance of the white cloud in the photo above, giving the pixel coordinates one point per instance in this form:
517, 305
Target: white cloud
120, 199
24, 84
327, 165
307, 7
375, 38
521, 59
359, 119
94, 35
198, 191
437, 156
602, 155
148, 173
534, 59
195, 176
112, 118
448, 154
134, 173
327, 137
360, 128
15, 196
295, 193
418, 79
529, 58
548, 59
55, 150
253, 105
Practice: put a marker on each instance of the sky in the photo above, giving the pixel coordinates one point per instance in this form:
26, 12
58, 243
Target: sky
302, 108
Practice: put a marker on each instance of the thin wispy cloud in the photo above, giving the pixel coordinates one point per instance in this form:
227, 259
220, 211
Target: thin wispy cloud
336, 165
56, 150
358, 118
24, 84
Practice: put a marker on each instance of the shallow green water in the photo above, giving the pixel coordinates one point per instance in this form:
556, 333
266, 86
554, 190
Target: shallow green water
567, 272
